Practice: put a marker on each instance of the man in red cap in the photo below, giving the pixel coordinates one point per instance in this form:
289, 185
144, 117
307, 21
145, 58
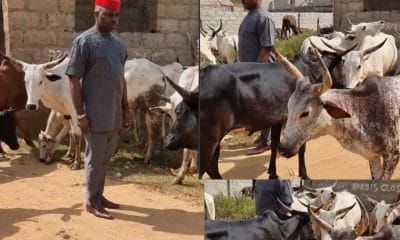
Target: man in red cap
98, 87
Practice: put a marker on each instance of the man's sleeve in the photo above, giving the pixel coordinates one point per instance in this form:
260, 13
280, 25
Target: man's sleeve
266, 32
78, 59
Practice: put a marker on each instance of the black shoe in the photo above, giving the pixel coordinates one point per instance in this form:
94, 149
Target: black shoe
99, 212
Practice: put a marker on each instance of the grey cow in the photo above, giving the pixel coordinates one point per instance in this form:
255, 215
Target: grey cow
365, 120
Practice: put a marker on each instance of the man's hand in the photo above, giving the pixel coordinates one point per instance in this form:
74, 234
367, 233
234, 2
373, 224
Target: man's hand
84, 124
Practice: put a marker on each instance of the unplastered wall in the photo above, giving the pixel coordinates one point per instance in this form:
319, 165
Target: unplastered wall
38, 29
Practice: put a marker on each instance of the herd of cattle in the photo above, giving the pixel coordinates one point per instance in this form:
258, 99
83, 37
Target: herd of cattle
345, 85
22, 85
317, 213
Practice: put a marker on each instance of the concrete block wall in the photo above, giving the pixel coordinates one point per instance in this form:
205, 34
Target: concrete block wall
354, 10
232, 20
35, 28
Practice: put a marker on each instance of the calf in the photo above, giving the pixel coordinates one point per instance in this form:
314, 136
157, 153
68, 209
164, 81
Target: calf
7, 129
56, 129
365, 120
288, 23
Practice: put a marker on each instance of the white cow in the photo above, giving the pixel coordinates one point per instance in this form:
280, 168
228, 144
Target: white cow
57, 128
224, 43
189, 80
48, 83
343, 42
376, 56
379, 213
142, 76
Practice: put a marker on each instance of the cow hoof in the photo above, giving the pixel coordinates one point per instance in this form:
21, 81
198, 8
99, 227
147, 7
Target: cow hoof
42, 160
177, 181
67, 158
193, 170
75, 166
147, 161
174, 171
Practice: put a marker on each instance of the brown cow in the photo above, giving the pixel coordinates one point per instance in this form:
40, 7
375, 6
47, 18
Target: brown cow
12, 91
288, 22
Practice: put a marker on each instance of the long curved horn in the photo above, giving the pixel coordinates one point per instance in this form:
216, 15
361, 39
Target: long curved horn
344, 211
326, 78
163, 97
364, 221
374, 48
292, 69
218, 29
333, 185
339, 51
348, 20
192, 51
310, 189
204, 32
55, 62
321, 223
184, 93
314, 209
18, 64
284, 205
371, 200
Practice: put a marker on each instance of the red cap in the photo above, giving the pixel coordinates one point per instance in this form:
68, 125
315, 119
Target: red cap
113, 5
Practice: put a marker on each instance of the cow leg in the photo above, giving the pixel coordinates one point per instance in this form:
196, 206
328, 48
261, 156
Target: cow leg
151, 125
135, 116
184, 167
207, 151
194, 161
375, 167
212, 169
275, 135
302, 163
389, 164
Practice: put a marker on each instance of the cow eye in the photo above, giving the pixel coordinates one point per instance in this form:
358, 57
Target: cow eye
40, 82
359, 66
304, 114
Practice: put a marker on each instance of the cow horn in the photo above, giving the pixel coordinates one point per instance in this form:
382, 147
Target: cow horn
348, 20
315, 209
364, 221
344, 211
333, 185
292, 69
310, 189
371, 200
218, 29
192, 51
374, 48
184, 93
55, 62
287, 208
321, 223
202, 31
19, 65
163, 97
326, 79
339, 51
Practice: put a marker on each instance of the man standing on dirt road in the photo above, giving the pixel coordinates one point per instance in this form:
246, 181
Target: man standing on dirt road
98, 57
256, 41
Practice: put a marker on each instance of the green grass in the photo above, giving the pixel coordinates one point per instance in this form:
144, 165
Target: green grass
234, 208
289, 48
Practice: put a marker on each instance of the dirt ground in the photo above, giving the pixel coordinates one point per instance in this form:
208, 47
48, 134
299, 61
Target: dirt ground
325, 159
47, 202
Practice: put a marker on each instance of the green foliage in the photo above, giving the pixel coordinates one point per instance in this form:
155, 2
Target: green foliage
234, 208
289, 48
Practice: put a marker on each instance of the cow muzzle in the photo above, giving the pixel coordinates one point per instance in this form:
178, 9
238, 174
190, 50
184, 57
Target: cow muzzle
14, 146
31, 107
286, 151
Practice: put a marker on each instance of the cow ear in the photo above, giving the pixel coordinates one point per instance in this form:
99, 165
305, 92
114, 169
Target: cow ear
335, 111
53, 77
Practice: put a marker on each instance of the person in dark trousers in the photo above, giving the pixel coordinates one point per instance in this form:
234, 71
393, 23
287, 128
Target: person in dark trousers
268, 191
98, 87
256, 41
